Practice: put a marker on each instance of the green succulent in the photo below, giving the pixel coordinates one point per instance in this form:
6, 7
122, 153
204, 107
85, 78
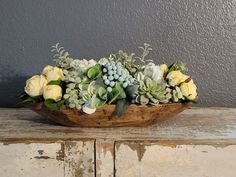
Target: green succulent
177, 95
151, 92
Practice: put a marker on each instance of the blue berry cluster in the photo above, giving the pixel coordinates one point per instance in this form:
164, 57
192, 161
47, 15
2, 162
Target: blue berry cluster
115, 72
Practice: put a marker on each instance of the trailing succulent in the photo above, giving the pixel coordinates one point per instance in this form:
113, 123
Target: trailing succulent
121, 78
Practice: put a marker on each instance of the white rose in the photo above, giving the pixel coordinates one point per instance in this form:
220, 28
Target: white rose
53, 92
88, 110
154, 72
52, 73
34, 85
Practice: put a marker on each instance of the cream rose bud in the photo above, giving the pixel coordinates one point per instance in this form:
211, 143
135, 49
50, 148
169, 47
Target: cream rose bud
88, 110
189, 90
164, 68
176, 78
34, 85
53, 92
52, 73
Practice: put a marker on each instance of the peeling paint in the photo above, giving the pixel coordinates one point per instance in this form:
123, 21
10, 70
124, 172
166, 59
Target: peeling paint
42, 157
61, 154
40, 152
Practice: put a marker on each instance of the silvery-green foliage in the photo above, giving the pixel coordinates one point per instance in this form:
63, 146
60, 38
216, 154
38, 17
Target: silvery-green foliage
72, 76
72, 98
151, 92
61, 57
133, 63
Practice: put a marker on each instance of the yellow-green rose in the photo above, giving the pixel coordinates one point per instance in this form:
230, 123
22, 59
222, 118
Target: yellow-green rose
53, 92
164, 68
189, 90
176, 77
52, 73
34, 85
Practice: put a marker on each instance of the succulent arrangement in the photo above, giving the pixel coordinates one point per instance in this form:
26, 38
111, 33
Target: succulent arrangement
121, 78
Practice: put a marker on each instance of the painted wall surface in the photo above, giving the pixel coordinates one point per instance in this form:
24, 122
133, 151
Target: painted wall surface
200, 33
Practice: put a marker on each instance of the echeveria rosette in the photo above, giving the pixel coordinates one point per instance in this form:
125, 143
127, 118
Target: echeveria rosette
151, 92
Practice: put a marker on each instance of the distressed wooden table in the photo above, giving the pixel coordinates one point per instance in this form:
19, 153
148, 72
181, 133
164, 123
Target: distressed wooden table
200, 142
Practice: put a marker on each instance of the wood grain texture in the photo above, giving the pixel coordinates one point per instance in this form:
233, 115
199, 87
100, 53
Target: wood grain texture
136, 115
105, 156
79, 159
31, 160
198, 124
55, 159
156, 160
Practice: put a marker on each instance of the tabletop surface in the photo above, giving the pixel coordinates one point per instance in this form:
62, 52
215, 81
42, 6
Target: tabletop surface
196, 124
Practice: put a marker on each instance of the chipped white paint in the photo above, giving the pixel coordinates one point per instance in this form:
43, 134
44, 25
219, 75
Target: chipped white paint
79, 159
31, 160
104, 158
139, 151
59, 159
179, 161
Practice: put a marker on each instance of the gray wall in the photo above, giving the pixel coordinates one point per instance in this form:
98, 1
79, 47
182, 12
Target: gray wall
200, 33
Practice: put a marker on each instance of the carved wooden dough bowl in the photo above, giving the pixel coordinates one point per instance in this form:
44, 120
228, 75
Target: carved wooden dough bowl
136, 115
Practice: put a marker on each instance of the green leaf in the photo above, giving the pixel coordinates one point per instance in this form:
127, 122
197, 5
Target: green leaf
29, 99
94, 72
51, 104
188, 100
102, 93
54, 82
121, 107
121, 90
97, 102
60, 103
113, 95
177, 66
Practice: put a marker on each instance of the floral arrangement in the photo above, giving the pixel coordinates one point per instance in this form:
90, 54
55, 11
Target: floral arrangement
122, 79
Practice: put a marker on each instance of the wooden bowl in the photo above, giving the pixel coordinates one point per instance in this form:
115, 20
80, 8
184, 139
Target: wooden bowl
136, 115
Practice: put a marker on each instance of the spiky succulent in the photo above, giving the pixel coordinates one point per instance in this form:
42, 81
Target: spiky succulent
151, 92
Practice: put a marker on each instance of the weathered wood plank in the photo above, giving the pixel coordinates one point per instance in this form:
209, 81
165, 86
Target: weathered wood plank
31, 160
104, 158
157, 160
79, 159
56, 159
195, 124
